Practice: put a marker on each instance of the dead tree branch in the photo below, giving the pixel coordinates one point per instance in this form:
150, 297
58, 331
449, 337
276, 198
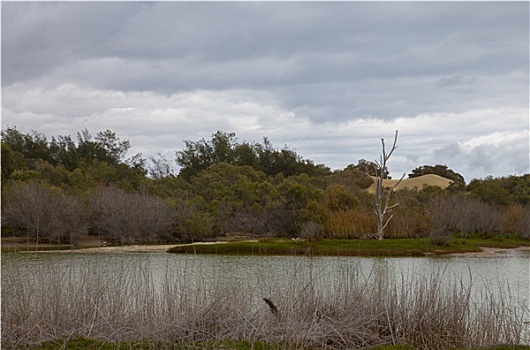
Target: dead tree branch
382, 195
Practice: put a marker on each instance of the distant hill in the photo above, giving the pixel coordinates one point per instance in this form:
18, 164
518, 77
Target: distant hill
415, 182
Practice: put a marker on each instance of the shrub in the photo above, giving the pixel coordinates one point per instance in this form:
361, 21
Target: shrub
131, 217
46, 213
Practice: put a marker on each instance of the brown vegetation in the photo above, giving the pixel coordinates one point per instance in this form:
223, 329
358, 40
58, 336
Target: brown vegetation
125, 217
46, 215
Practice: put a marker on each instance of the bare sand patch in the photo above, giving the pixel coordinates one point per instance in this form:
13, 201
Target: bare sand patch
134, 248
415, 182
491, 252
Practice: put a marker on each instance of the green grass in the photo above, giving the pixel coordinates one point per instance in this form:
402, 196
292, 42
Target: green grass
81, 343
352, 247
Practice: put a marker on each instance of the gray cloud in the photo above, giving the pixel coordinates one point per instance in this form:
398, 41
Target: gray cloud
328, 79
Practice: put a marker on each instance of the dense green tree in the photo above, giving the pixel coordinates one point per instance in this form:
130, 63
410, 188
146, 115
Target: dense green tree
521, 190
101, 159
114, 149
104, 147
57, 176
199, 155
193, 221
246, 154
31, 146
489, 191
26, 175
15, 140
301, 202
429, 193
352, 178
338, 197
517, 186
370, 168
64, 152
238, 197
223, 148
8, 161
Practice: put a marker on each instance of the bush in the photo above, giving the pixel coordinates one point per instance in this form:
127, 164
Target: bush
46, 213
353, 223
131, 217
462, 214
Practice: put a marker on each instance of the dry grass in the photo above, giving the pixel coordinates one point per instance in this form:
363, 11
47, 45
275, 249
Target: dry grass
352, 223
354, 311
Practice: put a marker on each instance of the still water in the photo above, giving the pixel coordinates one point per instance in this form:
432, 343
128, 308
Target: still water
506, 275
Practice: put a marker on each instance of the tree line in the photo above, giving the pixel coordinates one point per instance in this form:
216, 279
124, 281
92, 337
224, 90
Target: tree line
61, 189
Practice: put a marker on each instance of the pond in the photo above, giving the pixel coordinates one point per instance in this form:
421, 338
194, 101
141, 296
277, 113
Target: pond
503, 273
199, 278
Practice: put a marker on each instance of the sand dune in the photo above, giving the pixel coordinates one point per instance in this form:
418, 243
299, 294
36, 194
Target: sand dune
415, 182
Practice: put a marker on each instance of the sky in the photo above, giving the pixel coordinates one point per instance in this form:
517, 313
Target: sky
328, 80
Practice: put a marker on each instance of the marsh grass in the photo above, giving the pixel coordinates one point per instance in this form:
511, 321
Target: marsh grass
114, 303
352, 247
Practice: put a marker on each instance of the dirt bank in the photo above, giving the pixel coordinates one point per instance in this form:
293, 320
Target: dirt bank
491, 252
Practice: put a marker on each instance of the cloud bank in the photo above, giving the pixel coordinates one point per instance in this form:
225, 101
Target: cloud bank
327, 79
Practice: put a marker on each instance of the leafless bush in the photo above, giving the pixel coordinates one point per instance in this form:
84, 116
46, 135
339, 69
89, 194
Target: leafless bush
131, 217
480, 217
47, 214
464, 215
353, 311
310, 230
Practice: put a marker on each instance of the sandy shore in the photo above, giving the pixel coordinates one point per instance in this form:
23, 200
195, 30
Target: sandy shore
490, 252
136, 248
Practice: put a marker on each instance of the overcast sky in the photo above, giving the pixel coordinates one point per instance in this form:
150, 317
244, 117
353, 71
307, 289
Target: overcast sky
329, 80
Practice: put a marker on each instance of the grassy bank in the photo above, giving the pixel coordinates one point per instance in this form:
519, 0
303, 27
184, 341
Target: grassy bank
353, 247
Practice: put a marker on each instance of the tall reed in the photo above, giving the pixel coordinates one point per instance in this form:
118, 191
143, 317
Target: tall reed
352, 309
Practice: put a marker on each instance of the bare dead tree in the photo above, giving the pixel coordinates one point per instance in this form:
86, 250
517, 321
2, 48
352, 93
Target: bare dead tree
131, 217
44, 212
382, 194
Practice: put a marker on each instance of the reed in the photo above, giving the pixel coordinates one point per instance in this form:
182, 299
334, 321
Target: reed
355, 310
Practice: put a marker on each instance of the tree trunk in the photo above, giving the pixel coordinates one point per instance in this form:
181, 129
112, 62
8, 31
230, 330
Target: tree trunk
382, 195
